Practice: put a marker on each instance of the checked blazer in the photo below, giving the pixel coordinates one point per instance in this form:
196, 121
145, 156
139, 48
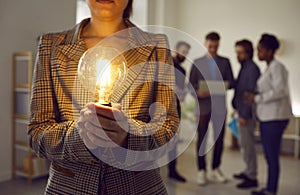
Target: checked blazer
53, 131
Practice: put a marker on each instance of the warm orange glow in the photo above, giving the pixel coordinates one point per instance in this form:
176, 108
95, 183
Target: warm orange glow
104, 84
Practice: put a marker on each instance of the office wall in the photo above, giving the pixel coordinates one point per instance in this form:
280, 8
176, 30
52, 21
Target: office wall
140, 12
237, 19
21, 23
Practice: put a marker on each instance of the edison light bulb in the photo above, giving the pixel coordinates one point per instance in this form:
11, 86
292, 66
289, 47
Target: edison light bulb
101, 70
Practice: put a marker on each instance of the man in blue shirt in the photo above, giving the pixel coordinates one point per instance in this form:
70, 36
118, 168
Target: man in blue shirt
246, 82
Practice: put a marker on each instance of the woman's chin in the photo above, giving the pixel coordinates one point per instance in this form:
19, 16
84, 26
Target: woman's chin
106, 15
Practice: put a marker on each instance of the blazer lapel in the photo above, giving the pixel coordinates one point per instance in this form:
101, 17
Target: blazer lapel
138, 53
65, 65
66, 52
72, 47
73, 51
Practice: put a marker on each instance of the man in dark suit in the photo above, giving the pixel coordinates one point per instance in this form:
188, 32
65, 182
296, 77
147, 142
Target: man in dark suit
212, 104
181, 50
246, 82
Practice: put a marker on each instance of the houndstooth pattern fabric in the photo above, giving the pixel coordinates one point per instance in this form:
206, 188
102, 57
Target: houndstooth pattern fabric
53, 133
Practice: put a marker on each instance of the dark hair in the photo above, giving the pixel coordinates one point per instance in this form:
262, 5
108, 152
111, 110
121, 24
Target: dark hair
247, 45
213, 36
128, 10
269, 41
182, 43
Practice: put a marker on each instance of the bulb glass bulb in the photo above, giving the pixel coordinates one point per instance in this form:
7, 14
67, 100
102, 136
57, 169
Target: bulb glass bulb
101, 70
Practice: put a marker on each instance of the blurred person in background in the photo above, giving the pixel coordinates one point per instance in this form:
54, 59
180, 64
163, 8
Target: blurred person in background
211, 67
273, 108
246, 82
181, 51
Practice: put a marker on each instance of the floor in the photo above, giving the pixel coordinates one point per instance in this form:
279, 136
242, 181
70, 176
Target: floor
186, 165
232, 163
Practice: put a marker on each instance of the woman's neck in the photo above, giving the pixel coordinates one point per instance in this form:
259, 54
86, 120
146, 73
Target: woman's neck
269, 60
97, 30
103, 28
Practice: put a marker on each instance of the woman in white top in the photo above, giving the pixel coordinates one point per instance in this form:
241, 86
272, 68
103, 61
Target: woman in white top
273, 108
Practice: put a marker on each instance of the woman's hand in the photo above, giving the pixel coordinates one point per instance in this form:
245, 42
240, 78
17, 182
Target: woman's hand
103, 126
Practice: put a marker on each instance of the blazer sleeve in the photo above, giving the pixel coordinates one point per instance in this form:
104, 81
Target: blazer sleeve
164, 120
252, 78
195, 77
245, 111
48, 136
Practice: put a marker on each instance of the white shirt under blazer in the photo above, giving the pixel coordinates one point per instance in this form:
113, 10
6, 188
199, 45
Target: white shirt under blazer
273, 98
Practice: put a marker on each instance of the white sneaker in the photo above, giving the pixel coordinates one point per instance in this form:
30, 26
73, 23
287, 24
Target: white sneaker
218, 176
201, 178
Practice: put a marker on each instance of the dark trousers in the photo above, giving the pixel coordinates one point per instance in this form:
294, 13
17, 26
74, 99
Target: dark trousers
271, 133
173, 152
219, 131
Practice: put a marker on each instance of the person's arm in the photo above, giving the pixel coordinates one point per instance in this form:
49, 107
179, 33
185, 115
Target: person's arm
253, 75
250, 80
49, 136
229, 75
180, 76
195, 77
279, 82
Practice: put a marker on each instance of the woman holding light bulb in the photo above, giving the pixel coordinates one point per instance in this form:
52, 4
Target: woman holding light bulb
68, 142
